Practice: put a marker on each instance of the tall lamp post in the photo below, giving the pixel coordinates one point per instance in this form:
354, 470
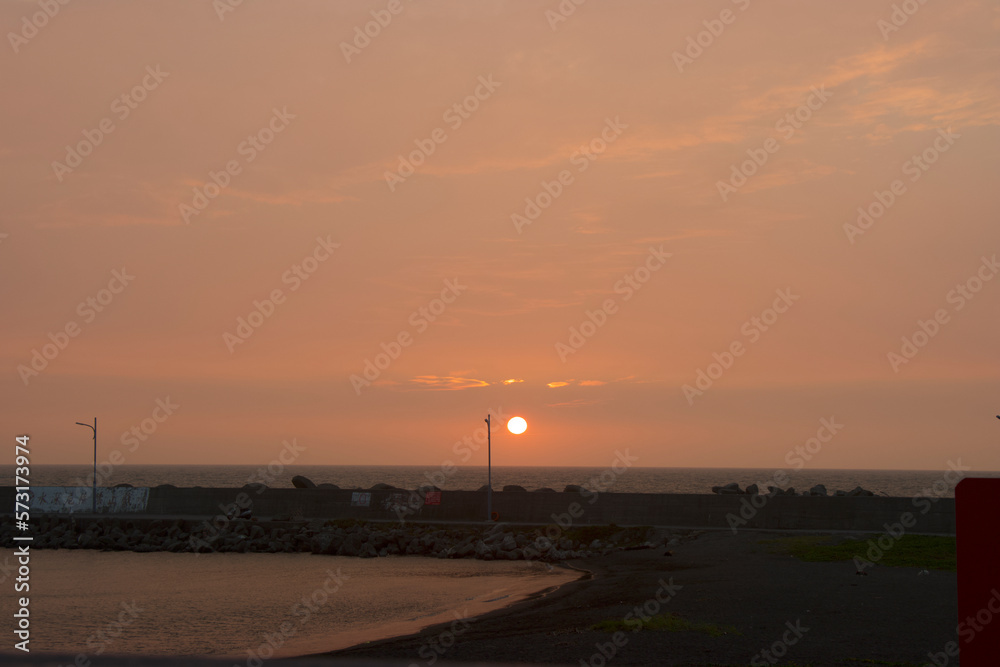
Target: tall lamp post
93, 495
489, 473
517, 426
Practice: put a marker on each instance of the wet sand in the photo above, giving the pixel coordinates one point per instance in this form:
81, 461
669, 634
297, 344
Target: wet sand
829, 615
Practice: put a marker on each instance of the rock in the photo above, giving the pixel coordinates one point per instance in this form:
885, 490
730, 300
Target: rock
301, 482
840, 493
123, 486
544, 489
381, 486
427, 488
508, 543
727, 489
753, 490
256, 487
858, 491
514, 487
282, 517
484, 487
165, 486
327, 485
352, 546
573, 488
818, 490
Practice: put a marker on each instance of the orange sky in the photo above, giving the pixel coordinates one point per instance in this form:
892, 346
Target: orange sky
622, 133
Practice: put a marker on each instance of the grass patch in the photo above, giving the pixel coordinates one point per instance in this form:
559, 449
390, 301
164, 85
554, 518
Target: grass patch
666, 623
924, 551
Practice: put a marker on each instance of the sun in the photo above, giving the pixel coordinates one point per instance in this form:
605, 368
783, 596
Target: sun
517, 425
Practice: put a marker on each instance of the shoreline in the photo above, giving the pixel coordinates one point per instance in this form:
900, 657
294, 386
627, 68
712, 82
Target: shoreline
444, 621
731, 598
437, 629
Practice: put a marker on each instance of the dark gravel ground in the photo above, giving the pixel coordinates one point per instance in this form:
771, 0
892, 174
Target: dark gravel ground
893, 616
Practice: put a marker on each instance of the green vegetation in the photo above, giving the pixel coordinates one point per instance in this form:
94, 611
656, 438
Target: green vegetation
924, 551
667, 623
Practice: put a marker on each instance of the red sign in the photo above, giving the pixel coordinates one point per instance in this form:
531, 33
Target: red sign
432, 498
977, 526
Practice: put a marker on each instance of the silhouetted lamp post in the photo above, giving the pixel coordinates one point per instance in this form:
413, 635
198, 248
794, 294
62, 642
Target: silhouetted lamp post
517, 425
489, 473
93, 497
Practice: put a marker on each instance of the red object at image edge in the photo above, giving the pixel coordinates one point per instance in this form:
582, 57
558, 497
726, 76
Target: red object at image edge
977, 528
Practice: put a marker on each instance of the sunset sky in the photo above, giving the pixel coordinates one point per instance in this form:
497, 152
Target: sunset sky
363, 178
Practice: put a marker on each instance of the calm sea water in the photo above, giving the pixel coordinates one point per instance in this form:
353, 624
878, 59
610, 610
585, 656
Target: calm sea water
904, 483
103, 603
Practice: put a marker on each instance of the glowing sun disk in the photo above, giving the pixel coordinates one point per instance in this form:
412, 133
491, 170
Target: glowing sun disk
517, 425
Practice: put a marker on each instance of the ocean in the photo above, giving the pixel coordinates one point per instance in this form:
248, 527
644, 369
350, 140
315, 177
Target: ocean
901, 483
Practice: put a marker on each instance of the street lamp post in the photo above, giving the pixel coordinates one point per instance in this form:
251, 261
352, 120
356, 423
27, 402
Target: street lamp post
489, 473
93, 495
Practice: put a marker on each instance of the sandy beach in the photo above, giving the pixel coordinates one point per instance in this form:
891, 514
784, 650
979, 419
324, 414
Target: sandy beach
734, 599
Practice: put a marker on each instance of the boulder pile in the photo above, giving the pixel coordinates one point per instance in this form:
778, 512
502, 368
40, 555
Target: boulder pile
329, 537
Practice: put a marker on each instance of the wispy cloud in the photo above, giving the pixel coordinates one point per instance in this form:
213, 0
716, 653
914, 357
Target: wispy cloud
446, 383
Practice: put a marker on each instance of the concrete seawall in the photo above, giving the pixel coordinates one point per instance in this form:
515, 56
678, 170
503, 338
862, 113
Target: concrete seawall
863, 513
